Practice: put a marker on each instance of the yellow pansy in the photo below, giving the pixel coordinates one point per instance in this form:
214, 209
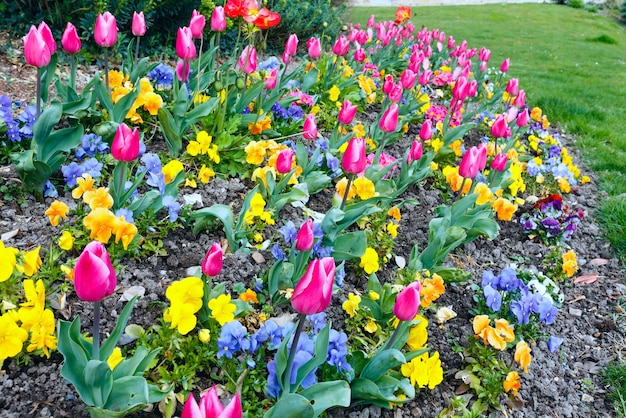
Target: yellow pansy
171, 170
369, 261
222, 310
351, 305
66, 241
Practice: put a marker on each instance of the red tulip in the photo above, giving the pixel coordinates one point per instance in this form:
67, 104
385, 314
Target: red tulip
105, 32
499, 162
389, 120
309, 130
196, 24
218, 19
341, 46
284, 161
408, 302
247, 61
500, 127
522, 118
304, 238
314, 47
354, 158
125, 146
470, 163
139, 24
185, 48
212, 263
94, 276
182, 70
504, 67
347, 112
211, 406
36, 51
70, 40
313, 292
415, 153
46, 34
426, 131
291, 46
512, 86
265, 19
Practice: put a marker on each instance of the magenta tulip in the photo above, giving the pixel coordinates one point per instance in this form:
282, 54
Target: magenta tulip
415, 153
271, 79
354, 158
211, 406
347, 112
499, 162
212, 263
291, 46
105, 32
500, 127
512, 86
247, 60
313, 292
504, 67
70, 41
185, 48
424, 78
359, 55
482, 156
314, 47
408, 302
472, 88
522, 118
139, 24
284, 161
395, 94
196, 24
388, 84
125, 146
426, 131
309, 130
484, 54
218, 19
46, 34
94, 276
460, 89
470, 163
371, 22
36, 51
520, 99
407, 79
182, 70
389, 120
304, 238
341, 46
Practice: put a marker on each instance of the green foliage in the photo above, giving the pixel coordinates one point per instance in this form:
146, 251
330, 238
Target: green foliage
576, 4
604, 39
615, 378
612, 217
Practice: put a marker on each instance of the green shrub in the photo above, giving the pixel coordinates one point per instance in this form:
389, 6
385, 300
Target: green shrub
576, 4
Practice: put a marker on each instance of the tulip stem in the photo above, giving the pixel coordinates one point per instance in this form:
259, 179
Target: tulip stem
379, 151
73, 72
38, 91
198, 75
137, 51
292, 354
389, 342
346, 193
96, 331
106, 69
460, 193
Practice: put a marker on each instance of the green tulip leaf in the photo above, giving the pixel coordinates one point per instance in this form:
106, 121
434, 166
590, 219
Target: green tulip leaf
327, 395
291, 405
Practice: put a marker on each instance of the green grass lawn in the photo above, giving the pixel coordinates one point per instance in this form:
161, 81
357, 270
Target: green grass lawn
572, 64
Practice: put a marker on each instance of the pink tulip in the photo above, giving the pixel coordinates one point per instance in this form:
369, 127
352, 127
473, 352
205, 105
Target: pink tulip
70, 40
395, 94
305, 238
212, 263
371, 22
125, 146
451, 42
314, 47
484, 54
182, 70
520, 99
512, 86
460, 89
522, 118
291, 46
284, 161
347, 112
271, 79
211, 406
46, 34
407, 79
472, 88
470, 163
105, 32
218, 19
36, 51
139, 24
483, 66
341, 46
426, 131
505, 65
94, 276
359, 55
247, 60
185, 48
408, 302
424, 78
314, 290
389, 120
196, 24
499, 162
309, 130
354, 158
388, 84
415, 153
500, 127
482, 156
362, 37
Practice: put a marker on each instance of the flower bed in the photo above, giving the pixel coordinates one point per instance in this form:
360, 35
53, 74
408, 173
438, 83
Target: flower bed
361, 206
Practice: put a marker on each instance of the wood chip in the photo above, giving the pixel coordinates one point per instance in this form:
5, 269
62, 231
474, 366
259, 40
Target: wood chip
578, 298
598, 262
587, 278
8, 235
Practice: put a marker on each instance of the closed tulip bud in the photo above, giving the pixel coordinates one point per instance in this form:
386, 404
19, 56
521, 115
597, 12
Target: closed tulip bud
309, 130
408, 302
185, 48
105, 32
247, 60
451, 42
520, 100
314, 47
388, 84
304, 238
482, 156
415, 153
472, 88
484, 54
341, 46
460, 89
270, 79
139, 24
46, 34
291, 46
511, 113
125, 146
500, 127
313, 292
36, 51
407, 79
347, 112
483, 66
504, 67
512, 86
359, 55
362, 37
182, 70
371, 22
70, 41
211, 406
389, 120
522, 118
354, 158
218, 19
212, 263
395, 94
284, 161
499, 162
426, 131
470, 163
196, 24
94, 276
424, 78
